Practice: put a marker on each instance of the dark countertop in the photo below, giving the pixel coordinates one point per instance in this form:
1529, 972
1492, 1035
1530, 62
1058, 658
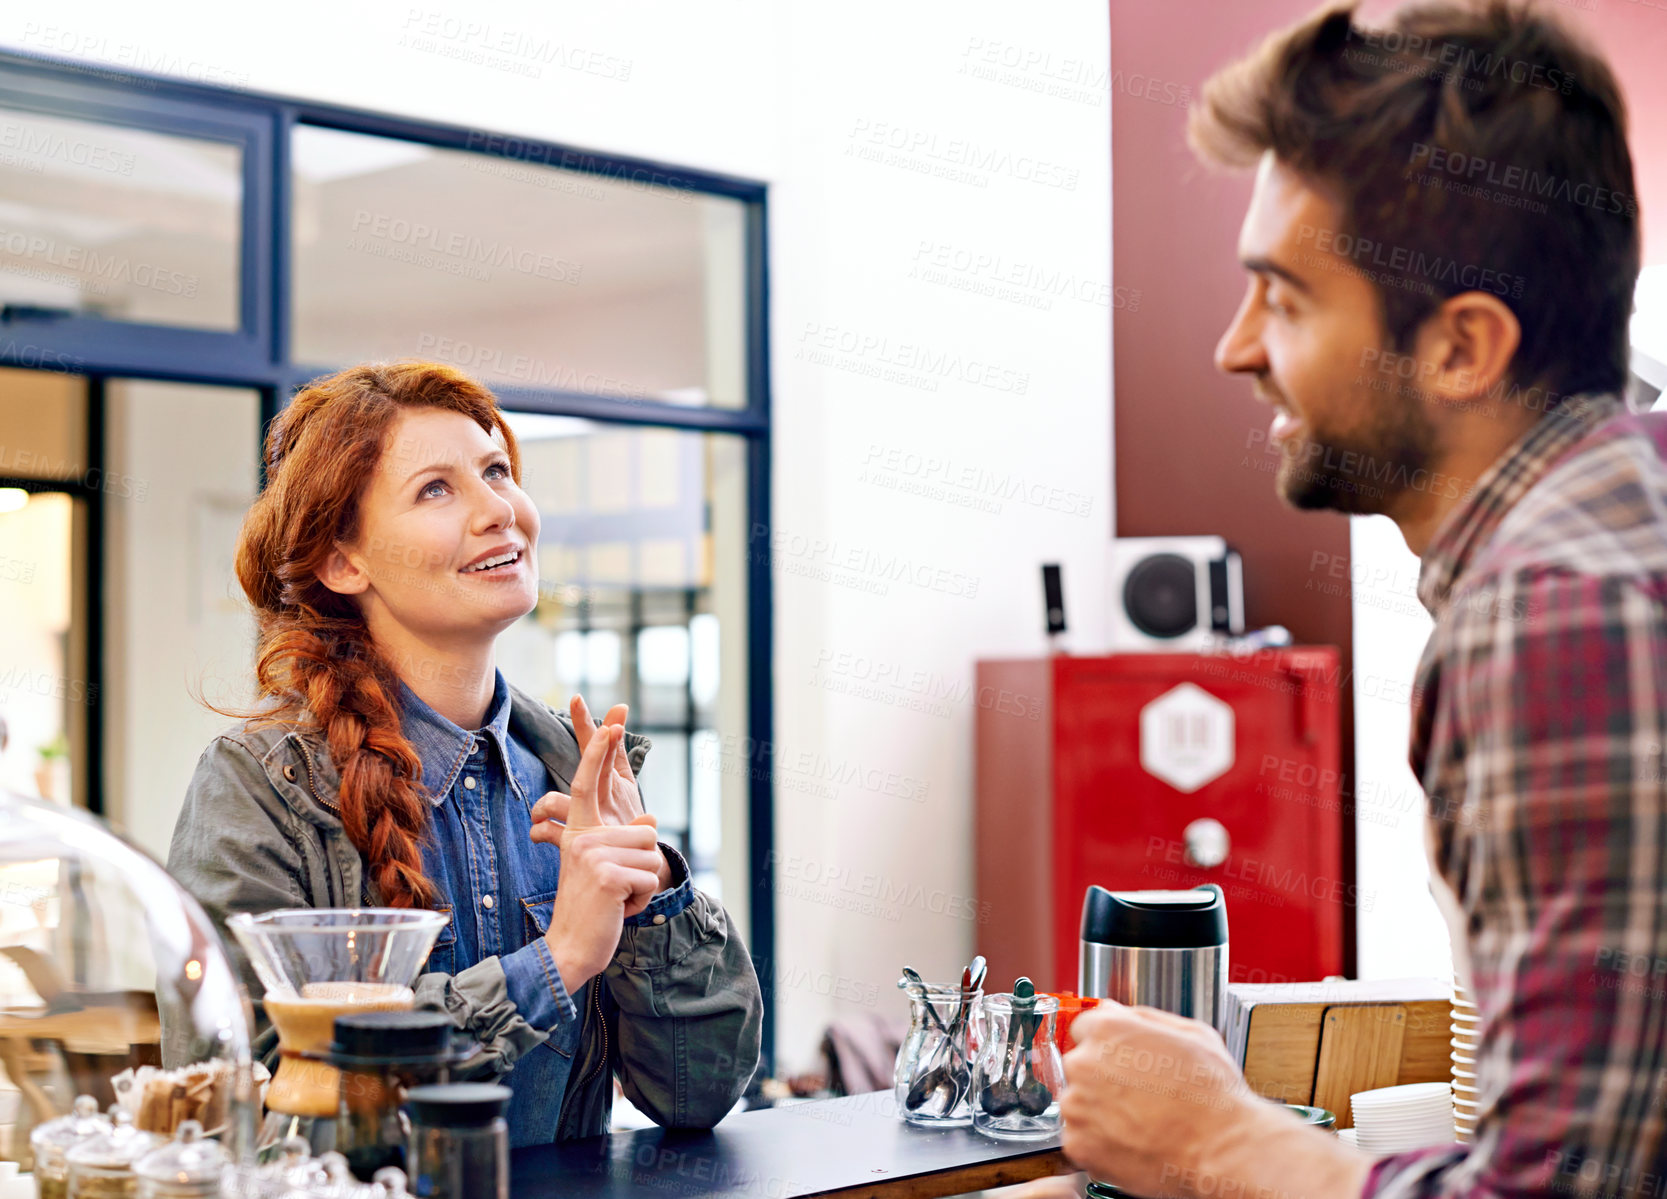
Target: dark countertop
857, 1142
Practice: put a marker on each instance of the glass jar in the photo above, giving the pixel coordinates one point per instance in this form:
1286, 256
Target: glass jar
382, 1056
460, 1141
49, 1142
101, 1167
932, 1080
188, 1167
293, 1171
112, 952
1017, 1073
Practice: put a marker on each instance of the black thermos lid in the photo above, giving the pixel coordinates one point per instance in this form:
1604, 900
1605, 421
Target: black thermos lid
457, 1104
1155, 919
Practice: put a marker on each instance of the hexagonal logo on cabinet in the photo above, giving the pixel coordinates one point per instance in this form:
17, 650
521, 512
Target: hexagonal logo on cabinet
1186, 737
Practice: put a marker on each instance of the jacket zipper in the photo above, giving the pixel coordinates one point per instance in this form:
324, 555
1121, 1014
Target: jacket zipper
312, 783
596, 1001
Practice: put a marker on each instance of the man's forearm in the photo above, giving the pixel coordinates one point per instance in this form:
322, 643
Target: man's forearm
1262, 1152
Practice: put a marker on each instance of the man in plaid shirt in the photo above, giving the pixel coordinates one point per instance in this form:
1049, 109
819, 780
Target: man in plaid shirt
1502, 449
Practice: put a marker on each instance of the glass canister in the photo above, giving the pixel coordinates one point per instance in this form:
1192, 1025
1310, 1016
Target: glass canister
49, 1142
933, 1076
460, 1141
114, 952
188, 1167
382, 1056
294, 1171
101, 1167
1018, 1075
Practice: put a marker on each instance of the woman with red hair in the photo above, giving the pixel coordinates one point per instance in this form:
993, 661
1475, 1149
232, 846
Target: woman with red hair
391, 765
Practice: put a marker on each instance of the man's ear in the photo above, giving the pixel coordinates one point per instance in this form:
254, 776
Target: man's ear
342, 575
1470, 341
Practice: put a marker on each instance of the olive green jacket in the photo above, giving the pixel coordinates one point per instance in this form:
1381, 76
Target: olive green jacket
677, 1014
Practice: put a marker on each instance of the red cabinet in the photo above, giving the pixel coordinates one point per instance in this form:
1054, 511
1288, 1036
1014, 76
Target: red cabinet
1160, 772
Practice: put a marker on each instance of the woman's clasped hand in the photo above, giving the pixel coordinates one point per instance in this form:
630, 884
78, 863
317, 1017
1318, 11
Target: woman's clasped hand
611, 864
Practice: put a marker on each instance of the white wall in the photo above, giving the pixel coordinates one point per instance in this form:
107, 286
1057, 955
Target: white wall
858, 116
1402, 932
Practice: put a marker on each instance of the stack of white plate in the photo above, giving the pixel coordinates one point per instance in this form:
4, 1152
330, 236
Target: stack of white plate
1467, 1040
1395, 1119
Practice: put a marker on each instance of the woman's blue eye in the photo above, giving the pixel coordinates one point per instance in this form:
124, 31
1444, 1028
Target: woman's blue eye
428, 488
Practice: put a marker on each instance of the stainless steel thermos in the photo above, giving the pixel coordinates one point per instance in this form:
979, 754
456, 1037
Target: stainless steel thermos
1162, 949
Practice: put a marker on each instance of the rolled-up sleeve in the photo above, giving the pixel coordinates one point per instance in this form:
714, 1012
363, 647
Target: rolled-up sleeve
691, 1012
1548, 824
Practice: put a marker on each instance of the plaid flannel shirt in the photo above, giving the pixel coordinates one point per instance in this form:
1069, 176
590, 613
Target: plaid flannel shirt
1538, 724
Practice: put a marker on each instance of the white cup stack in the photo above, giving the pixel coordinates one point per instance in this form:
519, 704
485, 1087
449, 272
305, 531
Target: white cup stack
1467, 1039
1395, 1119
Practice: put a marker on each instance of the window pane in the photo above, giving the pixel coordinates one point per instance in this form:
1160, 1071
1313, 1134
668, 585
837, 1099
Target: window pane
99, 220
663, 673
517, 272
176, 623
642, 567
46, 688
43, 425
43, 692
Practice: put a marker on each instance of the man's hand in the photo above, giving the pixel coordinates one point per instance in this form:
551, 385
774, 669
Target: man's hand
1155, 1105
609, 870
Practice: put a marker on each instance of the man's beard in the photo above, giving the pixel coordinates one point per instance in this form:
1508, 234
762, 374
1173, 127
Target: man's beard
1363, 471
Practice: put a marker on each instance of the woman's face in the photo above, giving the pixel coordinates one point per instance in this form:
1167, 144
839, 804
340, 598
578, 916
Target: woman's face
439, 510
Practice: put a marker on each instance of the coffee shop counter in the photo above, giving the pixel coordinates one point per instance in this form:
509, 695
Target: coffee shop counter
850, 1147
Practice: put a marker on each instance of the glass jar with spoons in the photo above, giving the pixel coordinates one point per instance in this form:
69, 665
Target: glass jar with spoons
933, 1077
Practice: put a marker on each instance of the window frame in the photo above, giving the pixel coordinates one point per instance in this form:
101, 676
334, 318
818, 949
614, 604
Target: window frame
258, 353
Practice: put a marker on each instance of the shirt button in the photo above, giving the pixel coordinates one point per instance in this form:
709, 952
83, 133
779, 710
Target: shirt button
659, 917
474, 749
469, 783
485, 901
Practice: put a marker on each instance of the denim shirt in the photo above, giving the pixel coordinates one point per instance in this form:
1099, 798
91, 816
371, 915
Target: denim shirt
499, 888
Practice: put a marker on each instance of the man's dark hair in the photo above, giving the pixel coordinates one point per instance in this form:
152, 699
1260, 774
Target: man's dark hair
1470, 147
